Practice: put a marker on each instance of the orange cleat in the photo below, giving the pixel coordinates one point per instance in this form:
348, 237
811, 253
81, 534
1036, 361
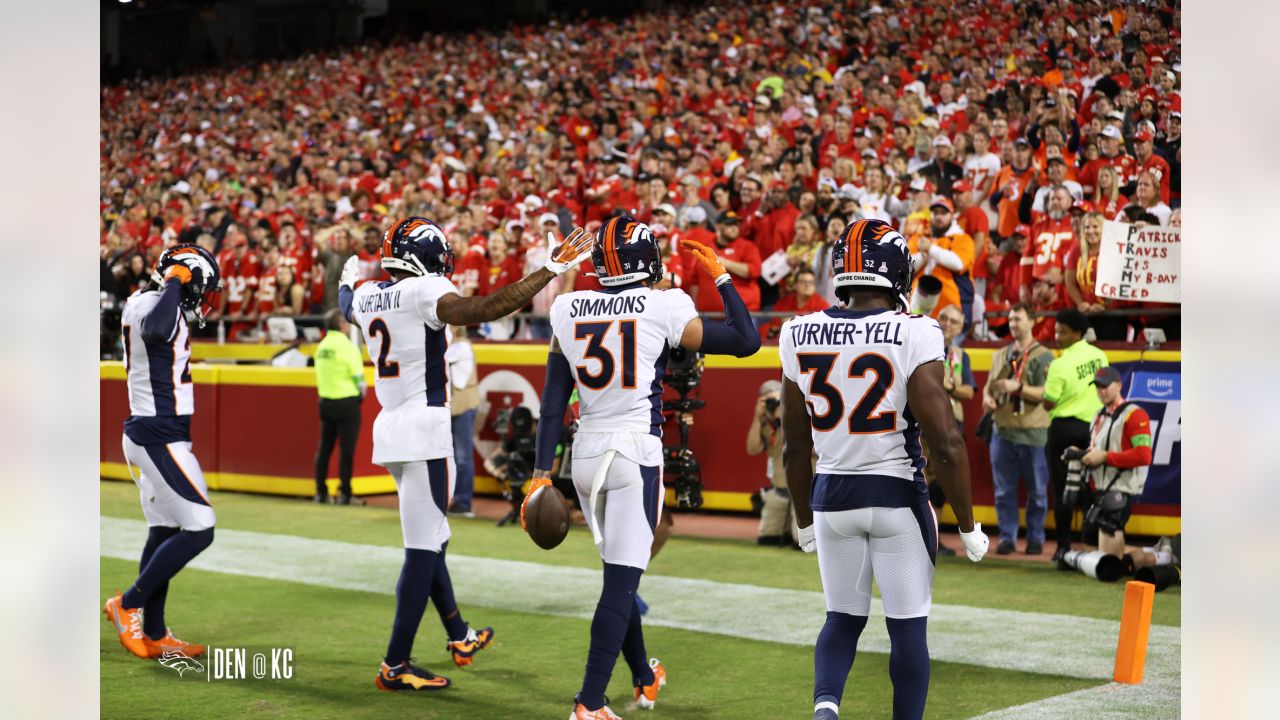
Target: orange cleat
647, 695
580, 712
464, 651
128, 622
407, 676
169, 643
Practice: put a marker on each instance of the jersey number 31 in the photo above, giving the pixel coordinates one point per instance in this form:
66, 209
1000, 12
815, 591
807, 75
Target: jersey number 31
594, 333
861, 419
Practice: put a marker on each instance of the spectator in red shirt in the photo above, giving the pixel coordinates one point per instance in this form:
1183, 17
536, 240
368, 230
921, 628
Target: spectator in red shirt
1049, 241
471, 270
1106, 196
1007, 282
974, 222
740, 257
503, 268
801, 301
1111, 143
1081, 269
695, 228
1149, 161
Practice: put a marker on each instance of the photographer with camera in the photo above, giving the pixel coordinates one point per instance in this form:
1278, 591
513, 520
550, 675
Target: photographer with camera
1114, 465
1020, 428
512, 462
777, 518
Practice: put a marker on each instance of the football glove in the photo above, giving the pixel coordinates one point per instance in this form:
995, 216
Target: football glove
806, 539
707, 258
350, 272
538, 482
179, 271
975, 543
574, 249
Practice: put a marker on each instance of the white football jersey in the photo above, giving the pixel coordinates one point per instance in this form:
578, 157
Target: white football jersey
617, 344
159, 374
407, 342
853, 367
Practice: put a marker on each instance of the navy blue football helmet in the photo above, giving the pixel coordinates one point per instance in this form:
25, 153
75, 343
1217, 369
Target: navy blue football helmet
198, 295
871, 254
625, 252
417, 246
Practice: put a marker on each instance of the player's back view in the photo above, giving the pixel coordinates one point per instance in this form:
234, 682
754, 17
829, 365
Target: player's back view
157, 441
862, 381
405, 323
613, 344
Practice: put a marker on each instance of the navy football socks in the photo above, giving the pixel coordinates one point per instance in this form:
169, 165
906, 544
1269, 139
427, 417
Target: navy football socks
609, 628
633, 649
442, 597
416, 579
153, 610
908, 666
834, 654
168, 557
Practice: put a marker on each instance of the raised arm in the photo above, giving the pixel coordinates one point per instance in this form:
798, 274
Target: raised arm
161, 323
457, 310
737, 335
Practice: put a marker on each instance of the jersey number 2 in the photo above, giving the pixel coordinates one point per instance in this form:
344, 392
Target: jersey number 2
594, 333
385, 369
861, 420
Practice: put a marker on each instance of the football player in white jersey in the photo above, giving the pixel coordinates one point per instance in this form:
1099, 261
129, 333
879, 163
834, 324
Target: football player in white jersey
404, 322
157, 442
613, 344
861, 380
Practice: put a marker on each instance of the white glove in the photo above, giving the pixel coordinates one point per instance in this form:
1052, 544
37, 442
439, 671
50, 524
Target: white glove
574, 249
350, 272
975, 543
806, 539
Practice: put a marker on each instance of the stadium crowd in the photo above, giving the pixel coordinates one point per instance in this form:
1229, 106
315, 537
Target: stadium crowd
997, 136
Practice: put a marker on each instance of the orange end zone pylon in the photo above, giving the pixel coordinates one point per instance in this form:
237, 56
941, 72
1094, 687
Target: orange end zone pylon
1135, 625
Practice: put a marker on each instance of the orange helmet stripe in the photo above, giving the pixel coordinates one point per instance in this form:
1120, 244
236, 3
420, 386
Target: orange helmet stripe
853, 255
611, 263
402, 226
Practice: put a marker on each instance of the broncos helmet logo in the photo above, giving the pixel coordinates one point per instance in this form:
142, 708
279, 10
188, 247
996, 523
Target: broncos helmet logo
625, 252
179, 661
418, 246
198, 295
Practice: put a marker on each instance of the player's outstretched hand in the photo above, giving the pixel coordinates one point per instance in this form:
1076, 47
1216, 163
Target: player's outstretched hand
539, 481
706, 257
806, 539
574, 249
975, 543
350, 273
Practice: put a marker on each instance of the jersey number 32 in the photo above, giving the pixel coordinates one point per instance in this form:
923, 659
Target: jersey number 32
861, 419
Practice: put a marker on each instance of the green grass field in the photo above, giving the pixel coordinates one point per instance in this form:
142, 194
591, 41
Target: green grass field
338, 635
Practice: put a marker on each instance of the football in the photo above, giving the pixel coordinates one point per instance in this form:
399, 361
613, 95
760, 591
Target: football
547, 518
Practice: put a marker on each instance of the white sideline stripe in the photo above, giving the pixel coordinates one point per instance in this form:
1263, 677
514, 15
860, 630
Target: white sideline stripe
1008, 639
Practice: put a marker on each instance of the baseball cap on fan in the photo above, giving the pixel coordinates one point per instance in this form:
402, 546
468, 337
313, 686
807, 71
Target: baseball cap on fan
667, 208
1105, 376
